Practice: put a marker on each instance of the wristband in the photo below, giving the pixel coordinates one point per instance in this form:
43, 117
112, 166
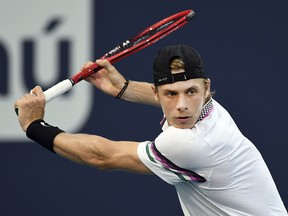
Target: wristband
43, 133
122, 90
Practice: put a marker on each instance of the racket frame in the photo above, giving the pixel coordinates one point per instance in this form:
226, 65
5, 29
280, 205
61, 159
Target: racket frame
115, 55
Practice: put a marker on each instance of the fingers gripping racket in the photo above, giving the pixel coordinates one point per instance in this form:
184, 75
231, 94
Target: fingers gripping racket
146, 38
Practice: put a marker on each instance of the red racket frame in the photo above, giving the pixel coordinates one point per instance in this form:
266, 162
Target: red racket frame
182, 18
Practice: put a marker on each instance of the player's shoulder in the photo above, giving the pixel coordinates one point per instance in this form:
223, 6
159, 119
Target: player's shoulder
176, 133
173, 136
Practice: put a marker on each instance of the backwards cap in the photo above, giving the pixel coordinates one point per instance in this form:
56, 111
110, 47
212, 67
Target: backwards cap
193, 65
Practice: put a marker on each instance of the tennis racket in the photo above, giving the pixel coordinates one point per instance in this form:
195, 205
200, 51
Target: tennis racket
145, 38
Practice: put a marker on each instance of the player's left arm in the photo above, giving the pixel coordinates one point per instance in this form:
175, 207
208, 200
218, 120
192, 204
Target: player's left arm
110, 81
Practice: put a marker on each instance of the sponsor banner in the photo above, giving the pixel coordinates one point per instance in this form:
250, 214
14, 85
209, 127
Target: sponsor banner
42, 43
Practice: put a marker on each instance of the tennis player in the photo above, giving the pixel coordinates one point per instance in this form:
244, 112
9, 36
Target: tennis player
215, 169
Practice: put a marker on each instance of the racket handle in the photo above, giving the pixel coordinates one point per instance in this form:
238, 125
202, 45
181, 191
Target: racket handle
58, 89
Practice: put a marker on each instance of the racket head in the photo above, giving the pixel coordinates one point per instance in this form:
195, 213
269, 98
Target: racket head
149, 36
140, 41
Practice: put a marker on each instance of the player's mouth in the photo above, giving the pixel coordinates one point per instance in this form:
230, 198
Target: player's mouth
183, 119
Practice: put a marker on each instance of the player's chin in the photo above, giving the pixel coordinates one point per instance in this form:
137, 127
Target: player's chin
183, 124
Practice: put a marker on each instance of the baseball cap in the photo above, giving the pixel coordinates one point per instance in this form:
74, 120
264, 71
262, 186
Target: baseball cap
193, 64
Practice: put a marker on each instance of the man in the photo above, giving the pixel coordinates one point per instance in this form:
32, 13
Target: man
214, 168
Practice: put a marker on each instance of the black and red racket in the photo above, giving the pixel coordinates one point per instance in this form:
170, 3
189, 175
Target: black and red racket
128, 47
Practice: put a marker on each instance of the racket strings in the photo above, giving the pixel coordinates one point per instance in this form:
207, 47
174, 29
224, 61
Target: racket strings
141, 37
152, 31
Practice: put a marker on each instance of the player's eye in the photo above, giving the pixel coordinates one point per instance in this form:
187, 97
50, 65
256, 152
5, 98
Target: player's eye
191, 91
170, 93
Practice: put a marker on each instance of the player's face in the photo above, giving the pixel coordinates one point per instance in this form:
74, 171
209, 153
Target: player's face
182, 101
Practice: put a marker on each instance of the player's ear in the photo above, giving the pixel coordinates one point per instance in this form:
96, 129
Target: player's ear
155, 90
207, 83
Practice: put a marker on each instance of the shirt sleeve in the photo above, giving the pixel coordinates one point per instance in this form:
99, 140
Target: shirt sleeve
177, 155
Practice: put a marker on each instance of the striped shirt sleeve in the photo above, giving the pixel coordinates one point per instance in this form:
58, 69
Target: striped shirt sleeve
163, 167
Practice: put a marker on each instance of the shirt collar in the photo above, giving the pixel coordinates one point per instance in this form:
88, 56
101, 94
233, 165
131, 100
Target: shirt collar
206, 110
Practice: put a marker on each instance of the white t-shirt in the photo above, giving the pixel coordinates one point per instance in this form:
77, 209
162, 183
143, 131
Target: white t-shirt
214, 168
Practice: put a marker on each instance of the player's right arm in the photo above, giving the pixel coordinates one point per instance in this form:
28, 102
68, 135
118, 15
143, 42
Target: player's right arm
86, 149
99, 152
110, 81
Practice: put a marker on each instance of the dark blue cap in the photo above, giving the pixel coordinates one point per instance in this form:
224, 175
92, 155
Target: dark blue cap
193, 64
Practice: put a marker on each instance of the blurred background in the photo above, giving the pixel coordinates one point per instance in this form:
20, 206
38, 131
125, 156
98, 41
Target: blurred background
244, 48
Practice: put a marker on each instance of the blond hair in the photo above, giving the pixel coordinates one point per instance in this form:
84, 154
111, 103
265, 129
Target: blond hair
178, 64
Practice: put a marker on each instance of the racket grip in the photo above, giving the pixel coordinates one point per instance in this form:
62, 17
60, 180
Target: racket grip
58, 89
